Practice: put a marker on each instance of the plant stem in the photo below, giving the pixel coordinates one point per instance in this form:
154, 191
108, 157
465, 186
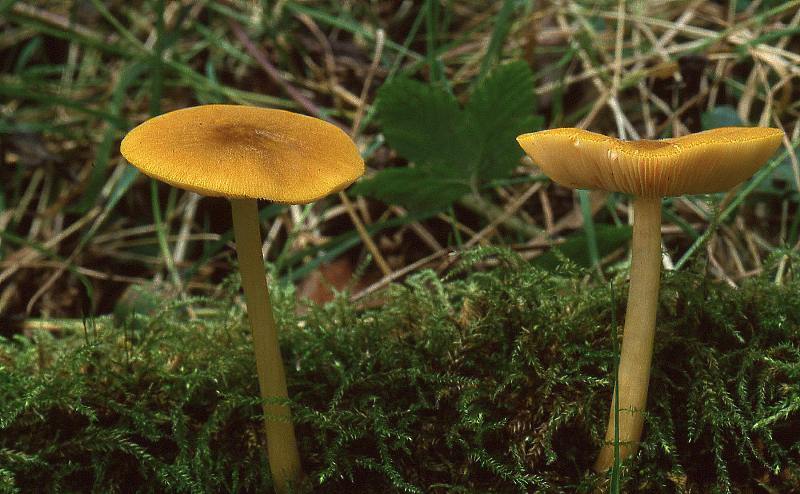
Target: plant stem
638, 333
284, 458
161, 234
479, 205
364, 234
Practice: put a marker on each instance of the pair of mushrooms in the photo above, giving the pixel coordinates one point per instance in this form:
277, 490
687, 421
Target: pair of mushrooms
246, 153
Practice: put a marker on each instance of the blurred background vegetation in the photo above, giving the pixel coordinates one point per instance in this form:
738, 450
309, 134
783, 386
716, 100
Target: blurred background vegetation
433, 92
79, 226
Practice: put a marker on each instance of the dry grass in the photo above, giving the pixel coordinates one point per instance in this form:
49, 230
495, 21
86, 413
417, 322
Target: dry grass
78, 229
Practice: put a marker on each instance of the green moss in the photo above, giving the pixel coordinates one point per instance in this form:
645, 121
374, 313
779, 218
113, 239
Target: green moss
494, 381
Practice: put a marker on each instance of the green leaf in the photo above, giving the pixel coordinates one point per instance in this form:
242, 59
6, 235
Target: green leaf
418, 189
609, 237
782, 180
425, 124
720, 116
451, 148
500, 109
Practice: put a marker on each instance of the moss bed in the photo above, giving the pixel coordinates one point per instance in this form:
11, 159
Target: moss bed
488, 381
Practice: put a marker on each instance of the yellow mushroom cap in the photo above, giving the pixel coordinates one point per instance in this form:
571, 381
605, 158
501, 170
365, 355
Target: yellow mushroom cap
245, 152
701, 163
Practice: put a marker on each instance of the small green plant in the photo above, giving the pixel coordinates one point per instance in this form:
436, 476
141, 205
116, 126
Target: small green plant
454, 150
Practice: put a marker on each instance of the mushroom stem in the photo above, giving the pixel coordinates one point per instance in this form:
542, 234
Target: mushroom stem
638, 333
284, 458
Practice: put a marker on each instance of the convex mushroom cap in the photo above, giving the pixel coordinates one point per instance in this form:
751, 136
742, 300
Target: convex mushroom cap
701, 163
245, 152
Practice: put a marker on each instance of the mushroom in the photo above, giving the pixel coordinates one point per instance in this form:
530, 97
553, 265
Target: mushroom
248, 153
702, 163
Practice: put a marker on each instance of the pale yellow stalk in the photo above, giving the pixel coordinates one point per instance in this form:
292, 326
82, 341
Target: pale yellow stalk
284, 458
638, 332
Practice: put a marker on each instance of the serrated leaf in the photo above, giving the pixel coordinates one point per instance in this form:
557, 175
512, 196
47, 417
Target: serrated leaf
425, 124
450, 146
500, 109
420, 188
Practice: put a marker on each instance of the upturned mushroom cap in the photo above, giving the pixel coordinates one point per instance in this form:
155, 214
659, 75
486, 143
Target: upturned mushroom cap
702, 163
245, 152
